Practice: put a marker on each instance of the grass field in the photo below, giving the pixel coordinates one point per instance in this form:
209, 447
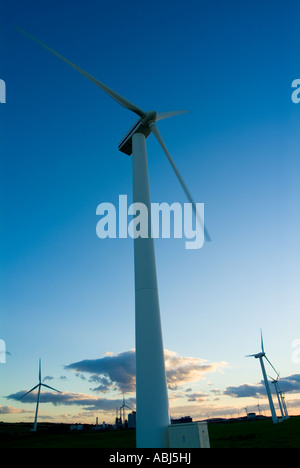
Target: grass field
240, 434
256, 434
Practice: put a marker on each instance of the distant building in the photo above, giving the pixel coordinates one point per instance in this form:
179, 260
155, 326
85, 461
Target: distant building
76, 427
119, 423
132, 420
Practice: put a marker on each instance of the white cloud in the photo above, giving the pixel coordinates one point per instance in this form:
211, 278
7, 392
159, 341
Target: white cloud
13, 410
118, 370
183, 370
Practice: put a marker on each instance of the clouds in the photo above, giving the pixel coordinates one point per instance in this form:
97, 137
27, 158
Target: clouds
184, 370
199, 397
289, 384
90, 402
117, 371
13, 410
246, 391
110, 371
114, 373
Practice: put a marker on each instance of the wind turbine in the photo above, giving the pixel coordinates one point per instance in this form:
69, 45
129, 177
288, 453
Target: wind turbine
284, 406
261, 357
281, 399
275, 383
151, 385
259, 408
39, 385
123, 408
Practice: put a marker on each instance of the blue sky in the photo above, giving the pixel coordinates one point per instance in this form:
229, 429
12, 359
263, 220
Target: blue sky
66, 295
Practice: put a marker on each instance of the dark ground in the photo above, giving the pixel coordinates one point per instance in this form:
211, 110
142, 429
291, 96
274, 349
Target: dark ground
237, 434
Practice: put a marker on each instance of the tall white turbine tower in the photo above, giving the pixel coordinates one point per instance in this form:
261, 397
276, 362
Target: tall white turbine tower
151, 386
261, 357
39, 385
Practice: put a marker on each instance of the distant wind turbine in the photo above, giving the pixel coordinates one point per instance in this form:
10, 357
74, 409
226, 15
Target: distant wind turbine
259, 408
284, 406
151, 385
39, 385
281, 399
123, 408
261, 357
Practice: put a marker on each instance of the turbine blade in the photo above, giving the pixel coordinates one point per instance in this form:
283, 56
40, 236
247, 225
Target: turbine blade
29, 392
166, 115
250, 355
262, 341
117, 97
161, 142
40, 371
272, 366
51, 388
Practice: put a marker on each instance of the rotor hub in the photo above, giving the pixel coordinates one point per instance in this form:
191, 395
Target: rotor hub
149, 117
259, 355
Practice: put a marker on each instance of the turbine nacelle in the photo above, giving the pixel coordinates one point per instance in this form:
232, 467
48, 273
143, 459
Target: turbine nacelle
144, 125
141, 125
262, 355
149, 117
259, 355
